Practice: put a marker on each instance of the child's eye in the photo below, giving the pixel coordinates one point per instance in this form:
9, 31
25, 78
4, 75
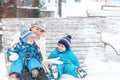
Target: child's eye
63, 46
38, 28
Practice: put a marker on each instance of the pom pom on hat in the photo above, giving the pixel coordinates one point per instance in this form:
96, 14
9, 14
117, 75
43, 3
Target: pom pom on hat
66, 41
26, 34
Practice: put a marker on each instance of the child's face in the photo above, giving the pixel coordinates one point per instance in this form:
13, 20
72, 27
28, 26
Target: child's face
38, 31
61, 48
30, 40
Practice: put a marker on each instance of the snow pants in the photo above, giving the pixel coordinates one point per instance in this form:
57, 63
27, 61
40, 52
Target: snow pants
17, 66
67, 69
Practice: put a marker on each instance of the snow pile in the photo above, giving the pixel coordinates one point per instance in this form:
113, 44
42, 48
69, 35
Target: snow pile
94, 61
100, 69
113, 39
3, 70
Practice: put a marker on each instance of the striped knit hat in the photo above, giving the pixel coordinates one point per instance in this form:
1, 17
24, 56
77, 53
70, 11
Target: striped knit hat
26, 34
66, 41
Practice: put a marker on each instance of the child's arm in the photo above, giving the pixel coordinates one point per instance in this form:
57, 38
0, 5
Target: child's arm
53, 54
54, 58
74, 59
12, 53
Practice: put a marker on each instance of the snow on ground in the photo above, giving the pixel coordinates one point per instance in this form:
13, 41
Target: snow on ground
99, 69
115, 42
3, 70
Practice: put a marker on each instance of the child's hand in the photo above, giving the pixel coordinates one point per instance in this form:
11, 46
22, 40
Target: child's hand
13, 56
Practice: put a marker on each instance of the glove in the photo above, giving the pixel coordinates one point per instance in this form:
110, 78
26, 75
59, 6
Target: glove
13, 56
55, 61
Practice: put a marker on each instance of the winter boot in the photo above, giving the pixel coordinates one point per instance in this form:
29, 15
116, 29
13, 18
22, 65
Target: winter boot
54, 72
35, 73
82, 73
14, 76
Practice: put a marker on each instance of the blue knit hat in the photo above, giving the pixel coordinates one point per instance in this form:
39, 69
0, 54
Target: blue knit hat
66, 41
26, 34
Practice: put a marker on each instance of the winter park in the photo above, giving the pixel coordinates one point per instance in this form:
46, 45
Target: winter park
87, 28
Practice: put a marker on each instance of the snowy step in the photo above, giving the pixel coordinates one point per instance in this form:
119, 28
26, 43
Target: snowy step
83, 31
103, 13
110, 7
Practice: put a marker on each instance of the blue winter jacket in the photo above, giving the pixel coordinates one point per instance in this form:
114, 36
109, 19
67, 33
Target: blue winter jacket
25, 50
67, 57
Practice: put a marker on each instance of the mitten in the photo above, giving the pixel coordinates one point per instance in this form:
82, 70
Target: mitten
13, 56
55, 61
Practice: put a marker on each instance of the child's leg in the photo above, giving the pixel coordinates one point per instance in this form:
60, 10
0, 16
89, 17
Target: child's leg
36, 69
16, 68
71, 69
34, 66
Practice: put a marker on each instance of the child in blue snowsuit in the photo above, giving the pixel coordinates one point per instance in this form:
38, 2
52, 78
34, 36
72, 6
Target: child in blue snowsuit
71, 64
29, 56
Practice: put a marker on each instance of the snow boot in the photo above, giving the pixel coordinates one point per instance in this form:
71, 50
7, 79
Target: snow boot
14, 76
54, 72
82, 73
35, 73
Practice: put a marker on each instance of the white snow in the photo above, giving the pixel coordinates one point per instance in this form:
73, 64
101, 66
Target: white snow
3, 70
28, 7
99, 69
113, 39
96, 66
